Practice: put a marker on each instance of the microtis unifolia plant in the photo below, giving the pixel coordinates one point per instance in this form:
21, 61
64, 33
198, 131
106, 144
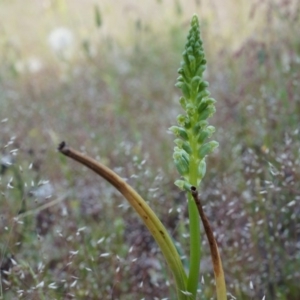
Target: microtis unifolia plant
192, 148
189, 156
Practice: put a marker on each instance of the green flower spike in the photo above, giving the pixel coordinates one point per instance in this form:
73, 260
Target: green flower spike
191, 134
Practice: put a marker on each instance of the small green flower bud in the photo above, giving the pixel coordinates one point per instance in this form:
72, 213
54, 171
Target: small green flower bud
180, 78
183, 145
179, 132
184, 121
189, 49
201, 125
203, 85
204, 103
183, 185
192, 60
186, 147
200, 53
200, 69
187, 124
184, 87
206, 133
180, 71
197, 45
183, 154
186, 70
208, 112
204, 115
202, 169
210, 100
207, 148
196, 129
201, 95
190, 109
186, 58
179, 143
195, 83
179, 84
181, 120
182, 102
181, 163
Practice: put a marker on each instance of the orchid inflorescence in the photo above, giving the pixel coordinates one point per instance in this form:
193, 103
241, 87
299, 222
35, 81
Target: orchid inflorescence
193, 129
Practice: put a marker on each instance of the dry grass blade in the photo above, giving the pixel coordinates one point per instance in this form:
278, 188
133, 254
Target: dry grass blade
149, 218
215, 256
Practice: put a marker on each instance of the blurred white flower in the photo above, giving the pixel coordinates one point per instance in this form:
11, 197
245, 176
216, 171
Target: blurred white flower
31, 65
34, 64
61, 41
6, 160
43, 191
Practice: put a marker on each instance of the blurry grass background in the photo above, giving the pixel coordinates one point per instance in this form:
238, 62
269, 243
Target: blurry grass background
100, 75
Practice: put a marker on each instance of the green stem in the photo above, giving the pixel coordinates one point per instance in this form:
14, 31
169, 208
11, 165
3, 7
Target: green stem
195, 247
195, 237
